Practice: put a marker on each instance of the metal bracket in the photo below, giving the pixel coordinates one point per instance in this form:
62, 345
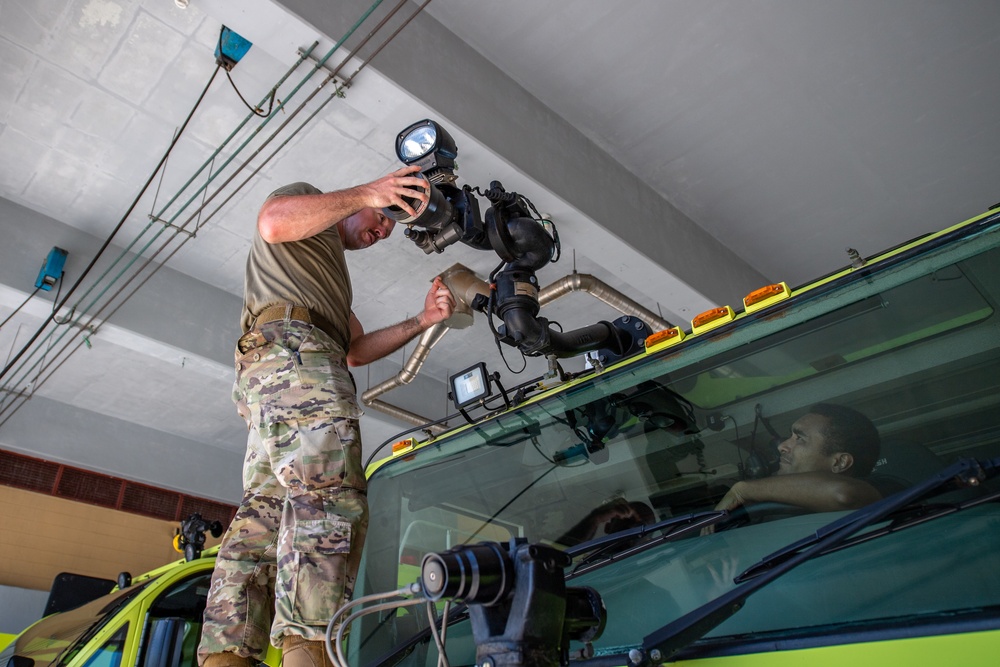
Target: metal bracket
166, 223
307, 55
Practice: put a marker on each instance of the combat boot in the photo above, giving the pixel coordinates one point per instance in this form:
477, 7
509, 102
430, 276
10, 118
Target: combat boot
228, 659
299, 652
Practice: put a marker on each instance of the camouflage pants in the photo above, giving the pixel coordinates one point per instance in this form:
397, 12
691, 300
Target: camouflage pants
294, 545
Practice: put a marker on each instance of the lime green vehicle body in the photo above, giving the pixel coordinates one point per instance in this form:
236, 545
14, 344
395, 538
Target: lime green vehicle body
910, 337
154, 621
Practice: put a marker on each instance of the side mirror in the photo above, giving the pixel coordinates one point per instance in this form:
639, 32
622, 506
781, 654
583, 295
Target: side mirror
69, 591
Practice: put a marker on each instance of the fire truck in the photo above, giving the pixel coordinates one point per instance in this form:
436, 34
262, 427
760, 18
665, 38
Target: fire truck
577, 520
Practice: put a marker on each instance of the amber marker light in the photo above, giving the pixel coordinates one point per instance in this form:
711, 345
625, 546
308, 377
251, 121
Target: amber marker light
711, 319
765, 296
403, 446
663, 339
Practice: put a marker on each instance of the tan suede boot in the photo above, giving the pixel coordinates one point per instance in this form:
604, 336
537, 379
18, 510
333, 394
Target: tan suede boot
228, 659
299, 652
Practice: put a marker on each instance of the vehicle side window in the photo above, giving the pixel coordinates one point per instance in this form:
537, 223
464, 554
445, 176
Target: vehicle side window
174, 625
110, 654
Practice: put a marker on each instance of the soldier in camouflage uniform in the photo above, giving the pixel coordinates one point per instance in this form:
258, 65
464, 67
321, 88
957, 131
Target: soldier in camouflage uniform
294, 545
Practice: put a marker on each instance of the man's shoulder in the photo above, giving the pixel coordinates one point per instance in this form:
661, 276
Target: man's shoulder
299, 188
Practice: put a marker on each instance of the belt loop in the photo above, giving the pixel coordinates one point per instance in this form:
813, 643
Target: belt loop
288, 314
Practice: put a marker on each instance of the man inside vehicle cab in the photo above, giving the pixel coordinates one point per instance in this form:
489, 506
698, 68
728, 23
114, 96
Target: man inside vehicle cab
823, 464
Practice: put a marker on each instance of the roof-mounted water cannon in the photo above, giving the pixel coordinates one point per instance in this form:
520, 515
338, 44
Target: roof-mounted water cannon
451, 213
514, 230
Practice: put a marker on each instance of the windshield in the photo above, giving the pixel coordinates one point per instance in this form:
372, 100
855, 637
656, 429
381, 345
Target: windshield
56, 638
784, 404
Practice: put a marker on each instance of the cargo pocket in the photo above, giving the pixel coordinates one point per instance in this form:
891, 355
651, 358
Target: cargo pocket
326, 382
322, 548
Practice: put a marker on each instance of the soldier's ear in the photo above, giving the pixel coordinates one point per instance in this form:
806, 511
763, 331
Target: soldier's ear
842, 461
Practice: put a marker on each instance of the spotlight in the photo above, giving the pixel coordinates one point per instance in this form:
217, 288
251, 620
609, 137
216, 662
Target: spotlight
451, 214
470, 386
473, 386
427, 145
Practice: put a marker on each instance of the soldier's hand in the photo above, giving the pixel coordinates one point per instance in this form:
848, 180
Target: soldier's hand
439, 304
390, 190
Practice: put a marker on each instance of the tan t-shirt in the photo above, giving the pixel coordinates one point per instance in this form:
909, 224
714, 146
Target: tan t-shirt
311, 272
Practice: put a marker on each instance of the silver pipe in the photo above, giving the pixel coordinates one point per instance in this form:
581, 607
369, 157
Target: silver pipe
584, 282
412, 366
465, 285
405, 415
457, 278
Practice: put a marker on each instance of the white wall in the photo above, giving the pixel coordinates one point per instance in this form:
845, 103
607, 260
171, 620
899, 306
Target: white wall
19, 608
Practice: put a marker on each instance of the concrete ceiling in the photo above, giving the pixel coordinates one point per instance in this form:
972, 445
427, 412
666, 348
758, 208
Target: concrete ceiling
688, 152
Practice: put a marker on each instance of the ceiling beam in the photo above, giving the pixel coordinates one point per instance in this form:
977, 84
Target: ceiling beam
437, 67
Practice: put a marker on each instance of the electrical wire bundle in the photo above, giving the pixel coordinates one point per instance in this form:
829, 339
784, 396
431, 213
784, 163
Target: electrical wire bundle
410, 596
35, 363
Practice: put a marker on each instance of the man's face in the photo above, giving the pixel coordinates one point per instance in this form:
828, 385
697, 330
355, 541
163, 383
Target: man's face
805, 450
365, 228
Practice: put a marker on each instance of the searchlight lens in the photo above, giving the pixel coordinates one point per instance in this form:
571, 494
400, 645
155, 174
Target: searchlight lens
417, 143
428, 145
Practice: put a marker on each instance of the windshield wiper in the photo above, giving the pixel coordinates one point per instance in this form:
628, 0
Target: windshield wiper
674, 528
906, 517
662, 644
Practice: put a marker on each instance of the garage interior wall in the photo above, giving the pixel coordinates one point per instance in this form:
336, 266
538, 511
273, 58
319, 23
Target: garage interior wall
39, 530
